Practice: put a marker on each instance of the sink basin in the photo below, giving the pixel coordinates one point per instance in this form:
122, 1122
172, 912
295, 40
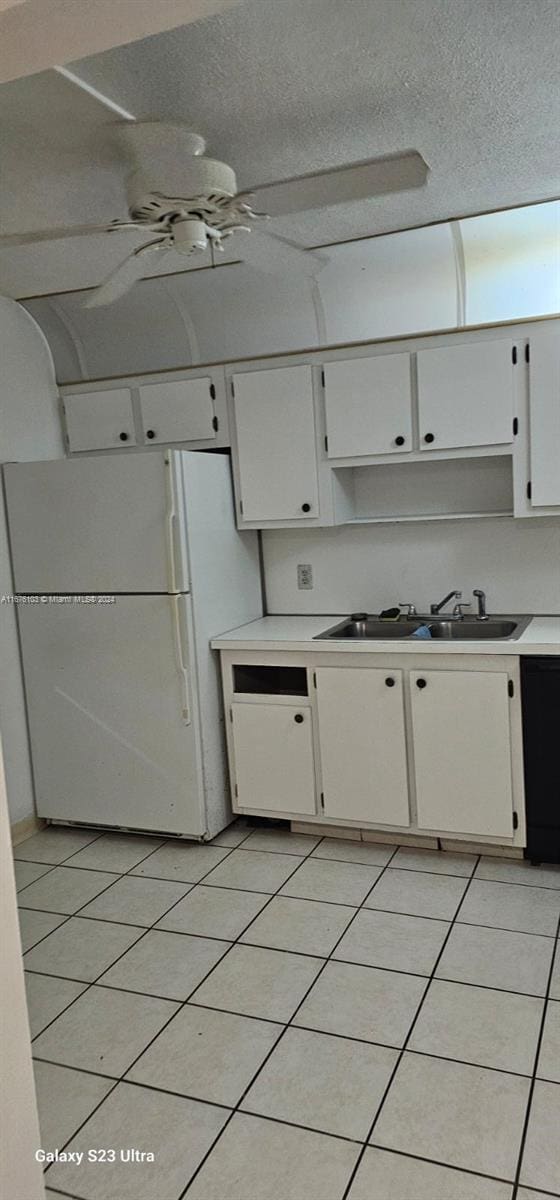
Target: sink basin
475, 630
370, 628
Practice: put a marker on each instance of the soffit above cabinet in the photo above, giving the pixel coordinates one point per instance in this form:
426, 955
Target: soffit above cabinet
376, 288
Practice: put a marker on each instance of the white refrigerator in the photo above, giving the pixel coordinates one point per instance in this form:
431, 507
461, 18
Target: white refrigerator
124, 568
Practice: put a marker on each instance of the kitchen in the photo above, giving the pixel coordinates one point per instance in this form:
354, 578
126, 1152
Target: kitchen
280, 619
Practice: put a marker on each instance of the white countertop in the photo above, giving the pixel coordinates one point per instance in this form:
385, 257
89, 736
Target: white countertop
542, 636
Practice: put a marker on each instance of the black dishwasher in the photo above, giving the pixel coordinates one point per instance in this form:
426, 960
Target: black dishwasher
540, 691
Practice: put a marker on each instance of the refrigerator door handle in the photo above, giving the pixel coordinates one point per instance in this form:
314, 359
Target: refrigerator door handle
171, 529
181, 664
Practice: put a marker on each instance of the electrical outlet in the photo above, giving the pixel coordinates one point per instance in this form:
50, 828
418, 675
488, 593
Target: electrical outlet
304, 576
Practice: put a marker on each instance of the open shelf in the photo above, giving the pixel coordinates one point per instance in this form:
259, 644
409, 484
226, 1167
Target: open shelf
446, 489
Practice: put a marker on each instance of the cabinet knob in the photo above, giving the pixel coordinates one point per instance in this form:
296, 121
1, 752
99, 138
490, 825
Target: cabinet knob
400, 440
306, 508
389, 682
150, 433
420, 683
429, 437
298, 718
123, 437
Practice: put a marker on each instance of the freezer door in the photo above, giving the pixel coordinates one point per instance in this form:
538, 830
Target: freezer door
113, 716
99, 524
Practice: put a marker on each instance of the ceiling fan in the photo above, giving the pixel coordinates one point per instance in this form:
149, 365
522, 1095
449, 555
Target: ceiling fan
188, 202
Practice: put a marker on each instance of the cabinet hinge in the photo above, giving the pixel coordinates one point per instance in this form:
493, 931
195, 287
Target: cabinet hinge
323, 801
322, 378
236, 792
215, 424
527, 353
326, 443
514, 355
314, 679
241, 507
212, 391
231, 715
515, 426
515, 821
511, 689
529, 490
232, 385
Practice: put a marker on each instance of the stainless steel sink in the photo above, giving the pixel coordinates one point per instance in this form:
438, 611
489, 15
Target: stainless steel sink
475, 630
370, 628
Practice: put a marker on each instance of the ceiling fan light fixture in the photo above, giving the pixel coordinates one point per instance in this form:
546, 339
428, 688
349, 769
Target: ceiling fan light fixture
190, 236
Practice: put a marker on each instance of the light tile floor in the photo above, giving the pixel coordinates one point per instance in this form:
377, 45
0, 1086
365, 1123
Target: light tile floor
286, 1017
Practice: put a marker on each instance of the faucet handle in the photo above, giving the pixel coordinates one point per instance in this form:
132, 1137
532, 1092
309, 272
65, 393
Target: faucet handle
410, 608
458, 610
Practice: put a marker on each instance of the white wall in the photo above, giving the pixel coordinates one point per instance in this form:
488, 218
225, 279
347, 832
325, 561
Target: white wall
20, 1175
29, 429
372, 567
483, 269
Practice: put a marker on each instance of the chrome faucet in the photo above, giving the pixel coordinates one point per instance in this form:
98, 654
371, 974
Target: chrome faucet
481, 615
410, 608
436, 608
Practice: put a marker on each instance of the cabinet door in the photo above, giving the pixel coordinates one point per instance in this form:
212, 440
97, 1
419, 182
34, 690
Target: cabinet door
462, 751
99, 420
544, 416
273, 751
368, 406
179, 411
277, 458
362, 744
465, 395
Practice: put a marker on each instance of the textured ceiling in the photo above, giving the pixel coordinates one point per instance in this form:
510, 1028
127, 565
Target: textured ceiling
284, 87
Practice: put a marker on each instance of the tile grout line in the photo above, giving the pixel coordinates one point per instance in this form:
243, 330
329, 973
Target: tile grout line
326, 959
67, 862
179, 1005
145, 929
392, 912
286, 1025
402, 1051
517, 1181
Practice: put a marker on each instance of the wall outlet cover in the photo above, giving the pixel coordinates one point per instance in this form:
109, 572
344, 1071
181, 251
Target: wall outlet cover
304, 576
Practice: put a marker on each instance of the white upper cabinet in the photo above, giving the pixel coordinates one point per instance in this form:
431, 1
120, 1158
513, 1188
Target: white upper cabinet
465, 395
544, 418
181, 410
462, 752
277, 478
99, 420
363, 745
368, 406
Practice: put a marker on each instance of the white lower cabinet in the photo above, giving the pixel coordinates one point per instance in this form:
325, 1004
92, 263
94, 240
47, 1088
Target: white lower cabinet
273, 750
398, 747
362, 745
462, 752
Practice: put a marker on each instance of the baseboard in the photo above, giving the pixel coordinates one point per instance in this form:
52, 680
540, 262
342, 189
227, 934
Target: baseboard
455, 846
23, 829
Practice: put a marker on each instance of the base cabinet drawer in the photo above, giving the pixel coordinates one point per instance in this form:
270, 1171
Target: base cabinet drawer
362, 744
273, 757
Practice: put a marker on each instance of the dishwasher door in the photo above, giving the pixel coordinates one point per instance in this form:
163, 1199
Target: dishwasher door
540, 690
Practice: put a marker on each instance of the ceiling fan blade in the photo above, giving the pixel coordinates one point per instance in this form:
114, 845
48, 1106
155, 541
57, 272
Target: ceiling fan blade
123, 277
49, 235
277, 256
393, 173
